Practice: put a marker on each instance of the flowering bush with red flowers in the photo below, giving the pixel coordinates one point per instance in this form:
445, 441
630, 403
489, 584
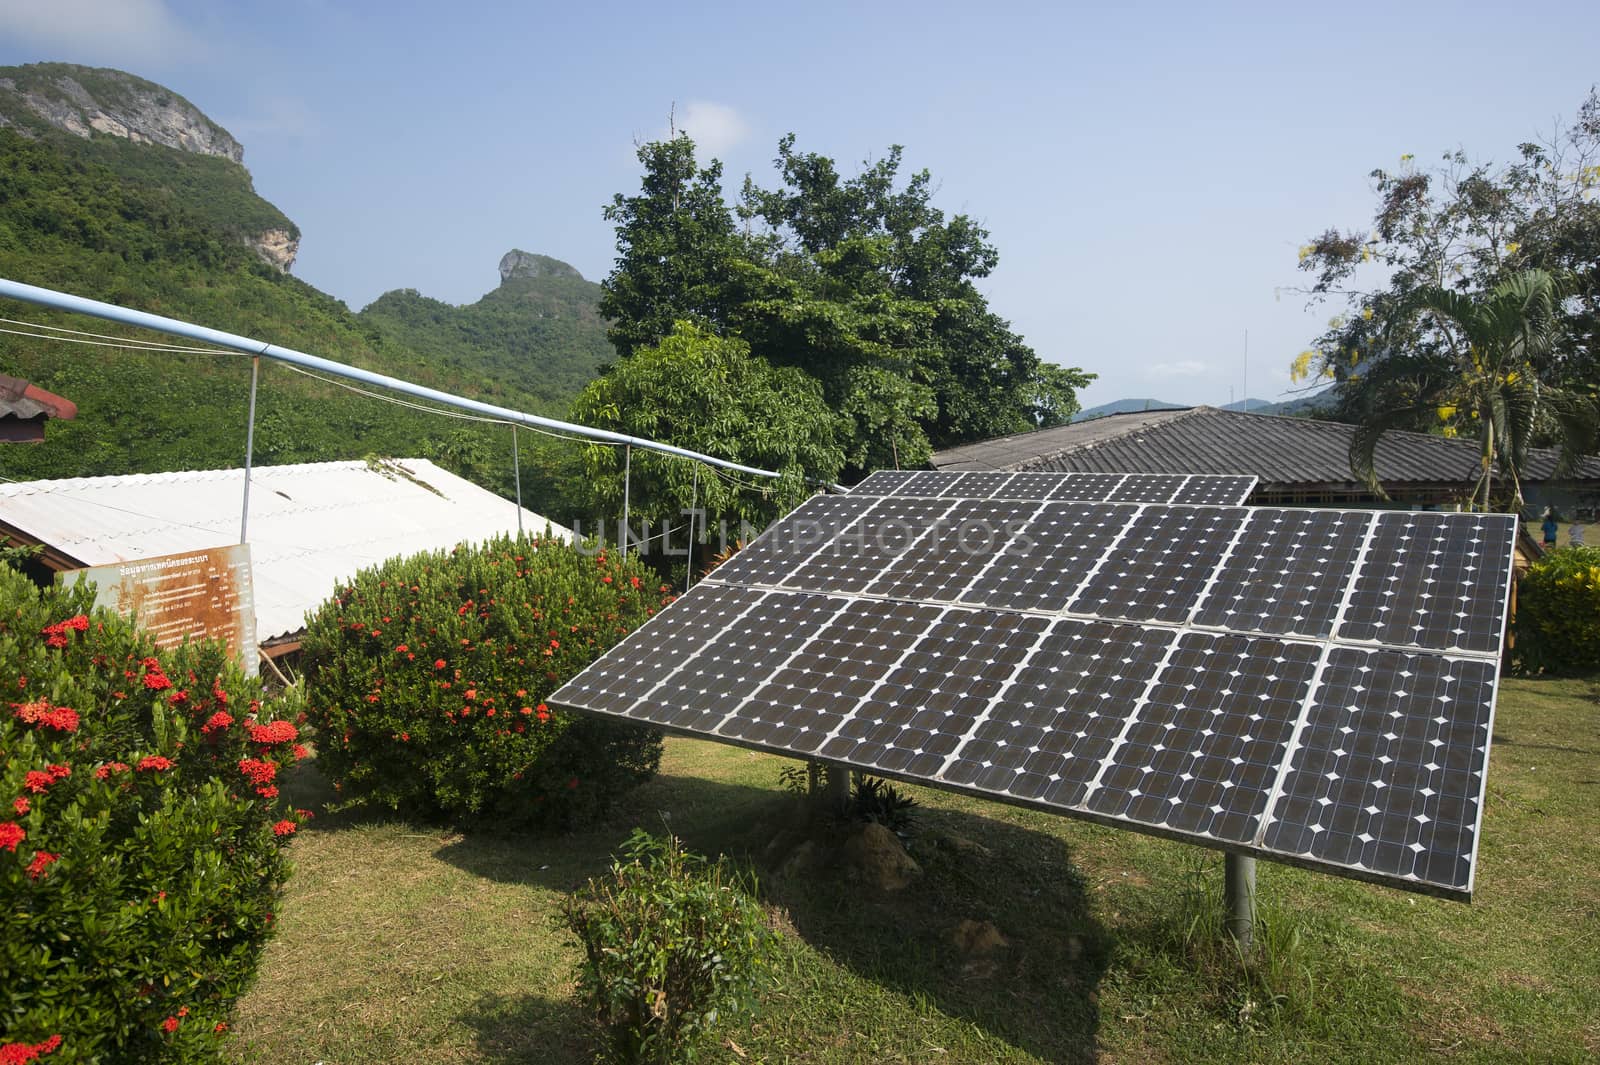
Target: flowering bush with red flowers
427, 677
139, 864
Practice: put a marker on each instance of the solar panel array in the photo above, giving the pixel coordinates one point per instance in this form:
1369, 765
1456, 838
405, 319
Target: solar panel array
1089, 487
1310, 686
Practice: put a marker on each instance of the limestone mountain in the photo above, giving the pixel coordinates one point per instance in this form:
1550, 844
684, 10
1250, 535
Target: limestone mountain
539, 332
114, 188
151, 136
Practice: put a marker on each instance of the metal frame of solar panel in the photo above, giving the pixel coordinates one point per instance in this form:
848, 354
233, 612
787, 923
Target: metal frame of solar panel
1313, 687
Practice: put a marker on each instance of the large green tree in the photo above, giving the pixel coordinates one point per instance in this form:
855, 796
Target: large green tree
1484, 370
1463, 226
709, 394
859, 282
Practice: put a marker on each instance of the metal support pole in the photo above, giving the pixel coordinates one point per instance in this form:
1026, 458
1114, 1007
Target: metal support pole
694, 497
627, 475
838, 787
1239, 898
249, 450
516, 473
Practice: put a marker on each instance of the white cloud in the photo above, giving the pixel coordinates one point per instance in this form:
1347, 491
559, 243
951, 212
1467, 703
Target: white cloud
114, 31
714, 127
287, 117
1162, 371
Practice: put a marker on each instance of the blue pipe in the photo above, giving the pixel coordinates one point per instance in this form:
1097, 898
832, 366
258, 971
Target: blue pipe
110, 311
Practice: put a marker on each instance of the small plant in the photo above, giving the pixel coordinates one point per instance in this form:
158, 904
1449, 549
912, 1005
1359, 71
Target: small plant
1558, 612
1265, 986
876, 802
673, 945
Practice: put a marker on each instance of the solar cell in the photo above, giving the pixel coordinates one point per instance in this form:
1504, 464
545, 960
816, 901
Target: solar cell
1047, 736
926, 483
1033, 485
861, 551
1089, 487
1388, 774
970, 534
704, 682
1146, 488
913, 720
978, 485
882, 482
1159, 567
1433, 580
1053, 551
812, 690
1205, 745
1092, 487
1273, 680
1286, 574
1218, 490
775, 553
614, 683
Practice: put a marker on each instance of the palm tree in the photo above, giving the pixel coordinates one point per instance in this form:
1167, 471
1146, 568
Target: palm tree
1483, 369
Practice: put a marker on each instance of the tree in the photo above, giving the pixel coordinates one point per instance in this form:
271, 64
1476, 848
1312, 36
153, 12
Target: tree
677, 249
1464, 227
709, 394
1483, 367
858, 282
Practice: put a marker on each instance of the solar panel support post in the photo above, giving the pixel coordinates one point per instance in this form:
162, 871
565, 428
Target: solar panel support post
249, 450
1239, 898
516, 475
838, 796
627, 476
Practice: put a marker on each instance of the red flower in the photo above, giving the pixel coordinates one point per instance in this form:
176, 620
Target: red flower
59, 772
219, 720
11, 834
37, 782
299, 751
42, 860
178, 697
284, 828
40, 712
109, 768
400, 648
257, 771
22, 804
169, 1025
276, 732
572, 783
269, 791
154, 763
156, 681
21, 1053
438, 663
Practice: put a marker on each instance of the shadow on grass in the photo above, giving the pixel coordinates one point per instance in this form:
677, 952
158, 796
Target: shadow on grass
1035, 988
512, 1029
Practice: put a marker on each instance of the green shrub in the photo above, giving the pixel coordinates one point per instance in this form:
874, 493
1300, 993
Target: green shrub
426, 679
672, 945
140, 839
1558, 612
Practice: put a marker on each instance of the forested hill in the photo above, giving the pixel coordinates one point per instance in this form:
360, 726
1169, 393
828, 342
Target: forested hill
115, 189
540, 332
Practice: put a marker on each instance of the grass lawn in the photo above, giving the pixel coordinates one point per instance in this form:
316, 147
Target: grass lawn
402, 943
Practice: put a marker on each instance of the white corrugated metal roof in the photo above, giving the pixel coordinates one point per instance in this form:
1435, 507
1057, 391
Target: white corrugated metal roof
311, 525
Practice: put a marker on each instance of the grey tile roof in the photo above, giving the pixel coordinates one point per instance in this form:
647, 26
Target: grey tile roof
1281, 451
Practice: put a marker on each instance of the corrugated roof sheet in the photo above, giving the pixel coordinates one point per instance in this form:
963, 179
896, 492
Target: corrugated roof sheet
1281, 451
311, 525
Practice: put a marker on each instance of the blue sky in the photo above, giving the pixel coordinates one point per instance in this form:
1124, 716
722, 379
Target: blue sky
1147, 171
